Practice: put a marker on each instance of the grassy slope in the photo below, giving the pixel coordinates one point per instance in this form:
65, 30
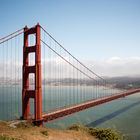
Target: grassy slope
28, 132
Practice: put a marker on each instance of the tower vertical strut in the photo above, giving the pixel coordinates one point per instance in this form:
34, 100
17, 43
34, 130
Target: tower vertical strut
71, 86
36, 94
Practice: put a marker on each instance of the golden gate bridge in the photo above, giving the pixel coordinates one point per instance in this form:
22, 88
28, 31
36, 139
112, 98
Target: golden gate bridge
43, 81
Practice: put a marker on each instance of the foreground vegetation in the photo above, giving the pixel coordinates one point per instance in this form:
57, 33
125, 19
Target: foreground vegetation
26, 131
2, 137
100, 133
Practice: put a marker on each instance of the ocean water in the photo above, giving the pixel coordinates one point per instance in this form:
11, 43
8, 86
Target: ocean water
122, 114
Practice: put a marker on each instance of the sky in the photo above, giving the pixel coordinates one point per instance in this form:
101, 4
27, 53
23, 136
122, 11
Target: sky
98, 32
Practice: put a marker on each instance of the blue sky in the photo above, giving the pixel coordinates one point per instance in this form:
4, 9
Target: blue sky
89, 29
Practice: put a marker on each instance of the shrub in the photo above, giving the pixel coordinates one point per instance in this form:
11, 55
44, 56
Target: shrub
44, 133
99, 133
7, 138
78, 127
24, 125
105, 134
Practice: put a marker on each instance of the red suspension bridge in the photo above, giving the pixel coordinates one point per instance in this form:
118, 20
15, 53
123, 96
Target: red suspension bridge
43, 81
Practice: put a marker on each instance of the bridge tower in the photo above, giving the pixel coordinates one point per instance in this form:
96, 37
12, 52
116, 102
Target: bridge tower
36, 93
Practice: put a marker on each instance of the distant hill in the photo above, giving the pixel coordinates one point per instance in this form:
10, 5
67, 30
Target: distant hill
115, 82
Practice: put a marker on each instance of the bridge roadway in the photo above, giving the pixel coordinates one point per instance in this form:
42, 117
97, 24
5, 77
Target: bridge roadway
62, 112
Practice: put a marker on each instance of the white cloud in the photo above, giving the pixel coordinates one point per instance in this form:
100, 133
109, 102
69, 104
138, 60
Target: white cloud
11, 69
116, 66
56, 67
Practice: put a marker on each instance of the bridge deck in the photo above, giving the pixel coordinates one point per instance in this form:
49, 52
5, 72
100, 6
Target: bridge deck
82, 106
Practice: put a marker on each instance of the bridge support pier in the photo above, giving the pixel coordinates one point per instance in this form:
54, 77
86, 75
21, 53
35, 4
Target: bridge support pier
36, 94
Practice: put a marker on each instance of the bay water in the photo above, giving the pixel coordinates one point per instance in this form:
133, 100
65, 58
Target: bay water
121, 114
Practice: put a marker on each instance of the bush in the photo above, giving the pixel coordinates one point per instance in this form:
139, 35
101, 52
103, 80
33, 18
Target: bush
105, 134
99, 133
7, 138
45, 133
24, 125
78, 127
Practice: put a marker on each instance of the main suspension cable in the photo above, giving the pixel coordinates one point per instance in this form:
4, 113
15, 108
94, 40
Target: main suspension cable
14, 34
74, 56
11, 34
11, 37
68, 61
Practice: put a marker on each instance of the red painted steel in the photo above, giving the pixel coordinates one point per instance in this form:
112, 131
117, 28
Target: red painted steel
25, 99
36, 94
88, 104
